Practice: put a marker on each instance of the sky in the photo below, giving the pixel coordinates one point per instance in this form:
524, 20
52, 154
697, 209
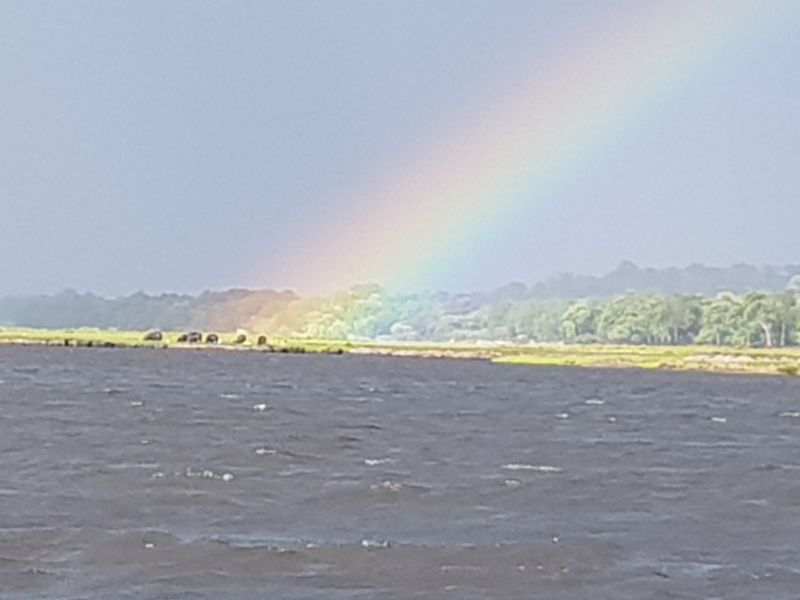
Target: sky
183, 146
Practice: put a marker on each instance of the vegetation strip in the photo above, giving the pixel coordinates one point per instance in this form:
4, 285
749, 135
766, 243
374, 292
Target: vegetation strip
684, 358
571, 309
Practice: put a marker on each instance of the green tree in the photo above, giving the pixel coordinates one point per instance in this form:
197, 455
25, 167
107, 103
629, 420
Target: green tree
786, 308
683, 316
634, 319
722, 321
579, 322
761, 316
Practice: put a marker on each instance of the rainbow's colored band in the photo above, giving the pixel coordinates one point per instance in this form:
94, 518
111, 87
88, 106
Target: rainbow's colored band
403, 230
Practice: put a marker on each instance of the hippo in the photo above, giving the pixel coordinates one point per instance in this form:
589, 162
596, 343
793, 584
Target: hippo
154, 335
240, 339
262, 340
191, 337
212, 338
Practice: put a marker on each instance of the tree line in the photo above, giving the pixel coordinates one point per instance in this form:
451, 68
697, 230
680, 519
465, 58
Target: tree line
753, 319
509, 314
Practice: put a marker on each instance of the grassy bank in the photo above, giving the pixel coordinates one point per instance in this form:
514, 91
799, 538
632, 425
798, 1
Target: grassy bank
784, 361
88, 337
681, 358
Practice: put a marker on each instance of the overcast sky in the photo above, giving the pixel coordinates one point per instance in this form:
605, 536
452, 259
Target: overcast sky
178, 146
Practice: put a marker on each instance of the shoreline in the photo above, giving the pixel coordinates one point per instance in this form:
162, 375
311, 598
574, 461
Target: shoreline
760, 361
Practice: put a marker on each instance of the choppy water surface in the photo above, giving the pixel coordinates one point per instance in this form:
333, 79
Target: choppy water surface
196, 474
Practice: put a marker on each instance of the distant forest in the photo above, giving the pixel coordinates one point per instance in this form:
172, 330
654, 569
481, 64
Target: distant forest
740, 305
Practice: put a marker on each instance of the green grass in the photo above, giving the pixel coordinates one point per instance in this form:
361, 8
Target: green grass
130, 339
58, 336
785, 361
688, 358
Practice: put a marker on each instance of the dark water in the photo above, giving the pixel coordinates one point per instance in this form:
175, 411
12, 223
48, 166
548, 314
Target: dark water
171, 474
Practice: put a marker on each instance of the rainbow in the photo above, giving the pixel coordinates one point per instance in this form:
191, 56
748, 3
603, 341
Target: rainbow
402, 231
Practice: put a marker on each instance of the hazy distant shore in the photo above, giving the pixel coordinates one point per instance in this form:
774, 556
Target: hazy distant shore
776, 361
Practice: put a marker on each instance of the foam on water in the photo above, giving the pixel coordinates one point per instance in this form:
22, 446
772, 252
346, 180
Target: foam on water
527, 467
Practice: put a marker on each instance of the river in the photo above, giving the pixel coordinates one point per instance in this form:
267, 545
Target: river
144, 474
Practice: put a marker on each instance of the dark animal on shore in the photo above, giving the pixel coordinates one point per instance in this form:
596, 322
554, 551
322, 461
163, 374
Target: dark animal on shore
262, 340
192, 337
153, 336
240, 339
212, 338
